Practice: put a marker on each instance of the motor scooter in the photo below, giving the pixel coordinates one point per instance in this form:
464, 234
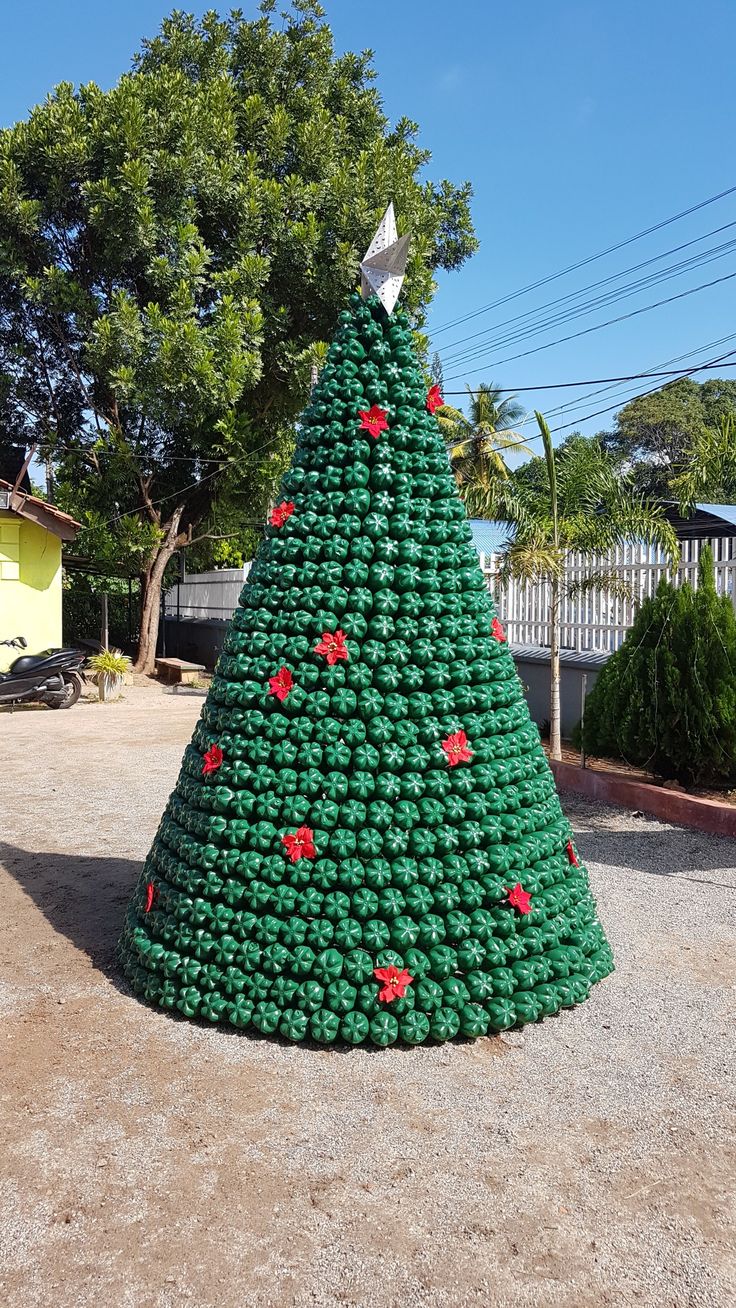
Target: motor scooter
54, 677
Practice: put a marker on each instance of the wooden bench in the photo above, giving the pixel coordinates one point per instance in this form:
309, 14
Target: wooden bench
178, 671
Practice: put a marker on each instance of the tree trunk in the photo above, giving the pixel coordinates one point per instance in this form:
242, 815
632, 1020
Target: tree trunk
555, 740
151, 579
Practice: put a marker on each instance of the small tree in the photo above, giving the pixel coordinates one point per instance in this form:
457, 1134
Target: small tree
573, 501
666, 700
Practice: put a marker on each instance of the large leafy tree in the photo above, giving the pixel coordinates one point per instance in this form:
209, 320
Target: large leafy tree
572, 500
172, 249
478, 440
653, 432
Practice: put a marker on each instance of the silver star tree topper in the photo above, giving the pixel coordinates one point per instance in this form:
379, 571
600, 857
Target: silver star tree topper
384, 262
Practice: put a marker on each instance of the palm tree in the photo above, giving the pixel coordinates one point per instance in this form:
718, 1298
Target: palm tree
576, 501
476, 442
708, 468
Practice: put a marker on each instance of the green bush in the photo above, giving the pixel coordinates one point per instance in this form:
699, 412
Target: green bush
666, 700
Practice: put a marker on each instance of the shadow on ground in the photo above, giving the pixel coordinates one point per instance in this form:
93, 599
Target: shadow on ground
83, 898
658, 851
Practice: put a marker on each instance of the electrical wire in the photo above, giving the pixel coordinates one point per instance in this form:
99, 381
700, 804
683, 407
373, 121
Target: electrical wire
230, 463
591, 381
582, 263
614, 296
585, 331
604, 281
527, 440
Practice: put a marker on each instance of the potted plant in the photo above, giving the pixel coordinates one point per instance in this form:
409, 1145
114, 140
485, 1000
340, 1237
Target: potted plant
109, 668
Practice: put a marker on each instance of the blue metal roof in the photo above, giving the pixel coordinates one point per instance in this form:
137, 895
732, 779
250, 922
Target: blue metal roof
705, 521
488, 536
725, 511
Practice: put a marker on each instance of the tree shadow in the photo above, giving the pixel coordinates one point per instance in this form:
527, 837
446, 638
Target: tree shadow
83, 898
650, 848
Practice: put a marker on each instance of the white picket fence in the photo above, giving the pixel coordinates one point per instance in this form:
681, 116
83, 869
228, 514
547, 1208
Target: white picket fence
599, 619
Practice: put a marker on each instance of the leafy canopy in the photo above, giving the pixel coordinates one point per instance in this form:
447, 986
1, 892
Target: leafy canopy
172, 249
575, 499
478, 440
652, 432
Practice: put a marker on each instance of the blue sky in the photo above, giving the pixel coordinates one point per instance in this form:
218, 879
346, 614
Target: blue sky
579, 125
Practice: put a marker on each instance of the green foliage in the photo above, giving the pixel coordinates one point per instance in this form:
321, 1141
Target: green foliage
666, 700
652, 432
478, 440
82, 609
171, 250
110, 662
708, 469
597, 508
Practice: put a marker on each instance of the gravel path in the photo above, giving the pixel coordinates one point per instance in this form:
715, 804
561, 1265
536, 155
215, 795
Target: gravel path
150, 1163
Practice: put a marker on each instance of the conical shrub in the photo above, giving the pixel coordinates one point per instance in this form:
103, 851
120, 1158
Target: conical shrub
666, 700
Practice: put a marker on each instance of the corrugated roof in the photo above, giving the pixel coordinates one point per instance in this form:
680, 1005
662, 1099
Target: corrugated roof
706, 520
488, 536
586, 658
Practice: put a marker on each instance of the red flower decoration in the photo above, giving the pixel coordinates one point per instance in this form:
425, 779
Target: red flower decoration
280, 514
571, 854
151, 893
497, 630
374, 420
212, 760
394, 982
434, 399
333, 646
519, 898
299, 844
457, 749
281, 684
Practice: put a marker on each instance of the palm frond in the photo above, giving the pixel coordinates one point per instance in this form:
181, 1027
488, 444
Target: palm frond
603, 579
532, 559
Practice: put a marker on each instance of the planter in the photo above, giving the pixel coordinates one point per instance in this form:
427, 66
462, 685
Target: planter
668, 805
109, 685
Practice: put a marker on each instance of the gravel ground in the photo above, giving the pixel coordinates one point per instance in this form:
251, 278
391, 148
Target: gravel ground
150, 1163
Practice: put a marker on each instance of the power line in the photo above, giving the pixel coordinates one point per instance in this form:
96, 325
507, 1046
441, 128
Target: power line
582, 263
677, 358
523, 329
526, 440
85, 450
230, 463
585, 331
595, 381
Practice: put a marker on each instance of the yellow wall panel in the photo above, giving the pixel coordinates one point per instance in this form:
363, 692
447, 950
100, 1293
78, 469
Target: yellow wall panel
30, 586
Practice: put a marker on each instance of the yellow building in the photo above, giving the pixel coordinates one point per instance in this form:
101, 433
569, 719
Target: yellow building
31, 534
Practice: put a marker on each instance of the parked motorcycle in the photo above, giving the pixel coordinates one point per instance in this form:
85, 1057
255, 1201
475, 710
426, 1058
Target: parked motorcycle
54, 677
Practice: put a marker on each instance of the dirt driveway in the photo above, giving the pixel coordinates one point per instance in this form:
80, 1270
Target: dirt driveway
149, 1163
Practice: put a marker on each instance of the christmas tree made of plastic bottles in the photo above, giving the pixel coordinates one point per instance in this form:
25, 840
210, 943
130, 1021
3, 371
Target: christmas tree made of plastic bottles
365, 842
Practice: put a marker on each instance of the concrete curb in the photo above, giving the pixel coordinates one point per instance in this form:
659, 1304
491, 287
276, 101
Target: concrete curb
670, 805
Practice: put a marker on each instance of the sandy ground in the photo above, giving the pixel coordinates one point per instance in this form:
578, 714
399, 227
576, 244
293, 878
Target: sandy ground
148, 1163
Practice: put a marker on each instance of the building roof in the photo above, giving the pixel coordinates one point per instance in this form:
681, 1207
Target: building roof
574, 658
488, 536
44, 515
706, 520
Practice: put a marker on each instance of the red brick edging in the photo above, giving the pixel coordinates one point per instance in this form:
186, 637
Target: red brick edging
669, 805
